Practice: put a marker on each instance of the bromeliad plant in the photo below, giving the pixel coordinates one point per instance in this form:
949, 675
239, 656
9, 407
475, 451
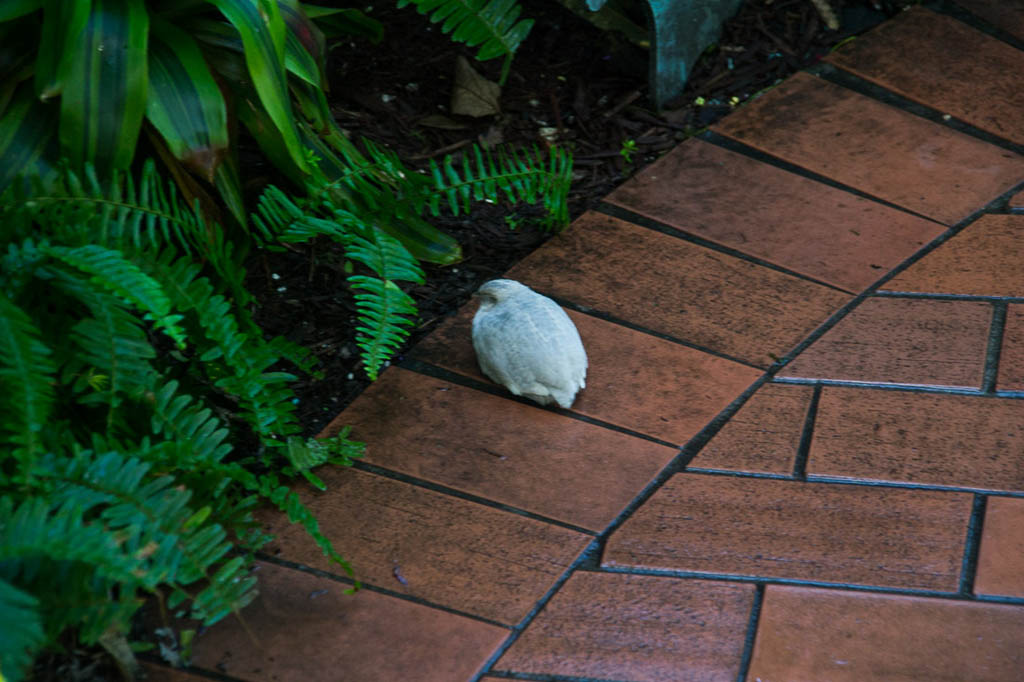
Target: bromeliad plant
83, 80
129, 371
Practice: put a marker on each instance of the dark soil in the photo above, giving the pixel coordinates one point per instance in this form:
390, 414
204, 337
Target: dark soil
588, 84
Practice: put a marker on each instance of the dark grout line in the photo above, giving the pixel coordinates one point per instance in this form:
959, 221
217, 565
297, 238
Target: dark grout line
906, 388
616, 211
427, 369
891, 293
738, 147
546, 677
191, 670
468, 497
859, 588
803, 450
345, 580
965, 16
607, 317
586, 556
863, 482
850, 81
971, 546
995, 345
751, 635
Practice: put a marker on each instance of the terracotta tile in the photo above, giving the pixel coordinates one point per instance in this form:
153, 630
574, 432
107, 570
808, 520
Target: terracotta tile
1001, 556
880, 150
763, 436
1016, 202
440, 548
1007, 16
985, 259
307, 629
502, 450
677, 288
635, 380
892, 537
1011, 358
809, 635
910, 55
902, 341
775, 215
637, 628
927, 438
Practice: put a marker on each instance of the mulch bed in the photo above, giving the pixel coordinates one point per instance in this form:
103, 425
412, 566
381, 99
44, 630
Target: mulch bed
588, 84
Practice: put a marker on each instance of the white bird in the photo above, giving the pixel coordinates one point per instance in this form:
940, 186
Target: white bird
526, 343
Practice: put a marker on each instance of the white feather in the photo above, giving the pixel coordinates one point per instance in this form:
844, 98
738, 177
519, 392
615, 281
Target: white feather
526, 343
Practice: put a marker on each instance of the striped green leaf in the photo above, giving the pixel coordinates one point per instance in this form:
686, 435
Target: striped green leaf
104, 97
12, 9
263, 32
344, 21
184, 104
304, 44
28, 140
62, 22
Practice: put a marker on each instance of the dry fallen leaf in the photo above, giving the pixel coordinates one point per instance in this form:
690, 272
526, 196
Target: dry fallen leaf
474, 95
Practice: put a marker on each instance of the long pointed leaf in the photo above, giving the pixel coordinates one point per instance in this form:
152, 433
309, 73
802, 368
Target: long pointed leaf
262, 30
62, 22
184, 104
12, 9
28, 143
104, 97
304, 44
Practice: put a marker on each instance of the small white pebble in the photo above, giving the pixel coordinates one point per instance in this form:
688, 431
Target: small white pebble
275, 276
386, 98
282, 289
350, 376
946, 117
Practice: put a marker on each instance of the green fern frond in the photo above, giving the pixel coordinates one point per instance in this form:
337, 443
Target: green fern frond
198, 436
386, 256
489, 23
154, 523
21, 631
27, 375
385, 315
120, 276
526, 177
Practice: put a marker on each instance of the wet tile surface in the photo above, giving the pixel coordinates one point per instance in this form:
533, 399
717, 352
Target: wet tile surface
1011, 359
763, 436
634, 380
307, 629
499, 449
980, 260
638, 628
1001, 556
910, 55
882, 151
813, 634
463, 555
775, 215
1007, 16
933, 439
889, 537
666, 284
902, 341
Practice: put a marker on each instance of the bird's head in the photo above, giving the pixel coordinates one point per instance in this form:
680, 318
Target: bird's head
498, 290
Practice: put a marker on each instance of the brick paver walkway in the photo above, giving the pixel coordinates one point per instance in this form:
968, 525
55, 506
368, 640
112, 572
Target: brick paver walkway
800, 452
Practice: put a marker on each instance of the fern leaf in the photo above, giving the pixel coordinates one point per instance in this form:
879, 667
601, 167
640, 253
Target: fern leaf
491, 24
115, 273
385, 313
27, 374
21, 631
522, 177
386, 256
